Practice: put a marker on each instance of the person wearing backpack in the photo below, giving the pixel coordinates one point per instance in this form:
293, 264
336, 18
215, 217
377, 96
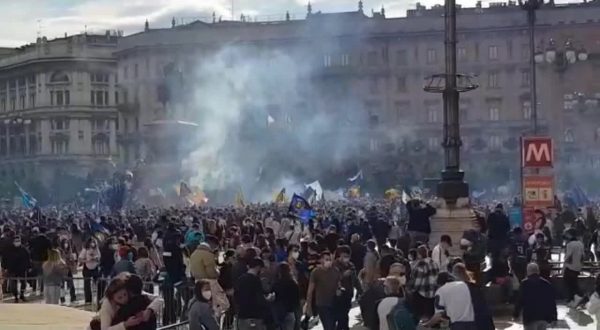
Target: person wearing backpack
392, 311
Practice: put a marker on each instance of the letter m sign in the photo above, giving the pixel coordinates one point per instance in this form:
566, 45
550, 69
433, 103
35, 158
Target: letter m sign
537, 152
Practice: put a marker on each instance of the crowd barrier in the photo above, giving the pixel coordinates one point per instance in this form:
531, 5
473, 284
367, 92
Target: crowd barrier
176, 326
89, 292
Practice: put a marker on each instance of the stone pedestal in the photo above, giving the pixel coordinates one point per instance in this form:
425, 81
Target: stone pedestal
451, 220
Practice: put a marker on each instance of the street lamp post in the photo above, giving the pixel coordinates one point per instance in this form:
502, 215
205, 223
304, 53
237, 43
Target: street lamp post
450, 84
531, 6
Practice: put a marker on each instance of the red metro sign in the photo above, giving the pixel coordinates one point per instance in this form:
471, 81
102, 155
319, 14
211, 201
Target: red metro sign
537, 152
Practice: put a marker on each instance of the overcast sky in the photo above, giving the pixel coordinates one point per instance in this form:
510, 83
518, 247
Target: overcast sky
22, 20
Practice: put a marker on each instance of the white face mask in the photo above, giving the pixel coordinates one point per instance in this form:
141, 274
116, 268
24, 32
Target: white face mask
327, 264
295, 255
154, 236
207, 295
17, 244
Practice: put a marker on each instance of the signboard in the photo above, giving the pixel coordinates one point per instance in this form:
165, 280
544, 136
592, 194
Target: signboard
537, 152
538, 191
515, 216
528, 219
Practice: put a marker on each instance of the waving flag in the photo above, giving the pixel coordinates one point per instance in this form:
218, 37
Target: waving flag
27, 200
239, 199
280, 198
358, 176
300, 208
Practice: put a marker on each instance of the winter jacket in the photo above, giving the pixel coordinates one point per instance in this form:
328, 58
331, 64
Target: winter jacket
418, 218
203, 263
498, 226
16, 260
537, 300
39, 247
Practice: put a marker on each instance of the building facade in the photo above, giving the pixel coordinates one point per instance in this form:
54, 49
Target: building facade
380, 64
58, 110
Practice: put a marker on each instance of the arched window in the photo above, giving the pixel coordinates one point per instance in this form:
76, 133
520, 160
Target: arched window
59, 77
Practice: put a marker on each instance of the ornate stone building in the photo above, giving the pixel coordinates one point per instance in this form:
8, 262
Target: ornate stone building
58, 109
379, 63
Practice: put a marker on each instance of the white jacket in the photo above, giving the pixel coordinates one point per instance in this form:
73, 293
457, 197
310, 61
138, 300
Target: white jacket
593, 307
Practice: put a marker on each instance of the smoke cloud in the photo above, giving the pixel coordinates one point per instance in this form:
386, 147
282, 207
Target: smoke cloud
270, 119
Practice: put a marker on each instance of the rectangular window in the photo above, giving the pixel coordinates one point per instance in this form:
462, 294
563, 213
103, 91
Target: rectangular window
22, 102
116, 97
374, 85
59, 98
372, 58
495, 142
526, 105
462, 54
3, 104
125, 125
493, 80
525, 78
345, 60
434, 143
431, 56
494, 110
67, 97
525, 51
493, 53
51, 97
125, 72
476, 51
13, 103
32, 100
402, 111
135, 71
93, 97
432, 113
80, 135
105, 97
401, 84
326, 61
99, 98
401, 58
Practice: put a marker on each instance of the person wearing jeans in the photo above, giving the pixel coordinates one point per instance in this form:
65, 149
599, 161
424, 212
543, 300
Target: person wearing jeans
324, 286
90, 258
574, 253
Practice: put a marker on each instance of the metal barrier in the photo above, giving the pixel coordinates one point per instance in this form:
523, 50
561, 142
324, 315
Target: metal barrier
176, 326
87, 294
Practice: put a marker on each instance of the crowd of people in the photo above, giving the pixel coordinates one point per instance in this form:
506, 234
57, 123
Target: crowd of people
256, 267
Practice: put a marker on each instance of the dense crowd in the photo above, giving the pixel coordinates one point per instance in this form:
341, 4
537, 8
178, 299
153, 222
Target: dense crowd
257, 267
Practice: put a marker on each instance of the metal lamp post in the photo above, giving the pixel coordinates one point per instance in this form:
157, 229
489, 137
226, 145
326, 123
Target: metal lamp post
531, 6
450, 84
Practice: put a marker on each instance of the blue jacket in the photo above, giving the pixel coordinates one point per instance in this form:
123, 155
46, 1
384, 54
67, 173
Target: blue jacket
537, 300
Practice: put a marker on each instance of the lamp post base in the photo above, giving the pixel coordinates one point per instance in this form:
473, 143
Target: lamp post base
452, 220
452, 187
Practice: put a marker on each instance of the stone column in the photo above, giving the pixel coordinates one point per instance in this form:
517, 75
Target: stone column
452, 220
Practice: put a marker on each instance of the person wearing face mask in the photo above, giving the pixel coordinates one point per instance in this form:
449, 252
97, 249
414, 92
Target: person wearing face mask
441, 253
324, 286
17, 263
200, 313
348, 282
90, 258
267, 276
287, 298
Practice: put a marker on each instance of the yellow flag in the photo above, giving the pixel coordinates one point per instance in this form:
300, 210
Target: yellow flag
280, 197
239, 199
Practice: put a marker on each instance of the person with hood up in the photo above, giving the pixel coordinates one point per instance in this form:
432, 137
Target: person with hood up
200, 313
203, 266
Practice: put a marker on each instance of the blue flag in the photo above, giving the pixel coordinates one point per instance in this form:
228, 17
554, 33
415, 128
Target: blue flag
301, 208
27, 200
